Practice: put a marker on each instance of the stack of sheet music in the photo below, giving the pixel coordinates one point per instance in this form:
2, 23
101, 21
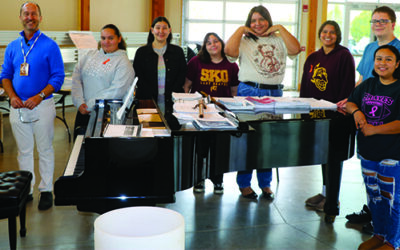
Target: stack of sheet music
186, 110
280, 105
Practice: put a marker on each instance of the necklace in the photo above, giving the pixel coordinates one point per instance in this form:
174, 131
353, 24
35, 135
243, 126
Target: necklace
24, 68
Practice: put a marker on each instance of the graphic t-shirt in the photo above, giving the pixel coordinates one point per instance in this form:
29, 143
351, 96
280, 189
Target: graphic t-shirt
215, 79
380, 105
262, 61
329, 76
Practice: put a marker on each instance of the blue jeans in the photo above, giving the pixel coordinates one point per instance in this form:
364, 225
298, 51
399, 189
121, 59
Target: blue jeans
384, 197
264, 176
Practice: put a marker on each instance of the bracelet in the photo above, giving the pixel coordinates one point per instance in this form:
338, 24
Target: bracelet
355, 111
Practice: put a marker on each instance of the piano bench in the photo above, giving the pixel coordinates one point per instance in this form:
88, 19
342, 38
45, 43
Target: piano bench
14, 191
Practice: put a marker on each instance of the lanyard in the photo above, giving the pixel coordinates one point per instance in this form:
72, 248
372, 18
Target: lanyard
22, 47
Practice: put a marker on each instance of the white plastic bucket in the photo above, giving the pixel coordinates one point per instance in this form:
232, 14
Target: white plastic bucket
140, 228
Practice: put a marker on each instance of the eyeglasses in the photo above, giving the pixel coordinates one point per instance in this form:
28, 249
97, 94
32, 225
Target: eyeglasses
380, 21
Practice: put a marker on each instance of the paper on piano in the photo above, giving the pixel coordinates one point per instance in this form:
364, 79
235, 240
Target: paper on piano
184, 118
234, 103
320, 104
151, 132
205, 124
262, 104
190, 107
114, 130
291, 103
176, 97
149, 118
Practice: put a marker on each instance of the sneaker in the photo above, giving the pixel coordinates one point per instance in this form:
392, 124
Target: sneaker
368, 228
29, 198
218, 189
199, 188
315, 200
364, 216
320, 205
46, 200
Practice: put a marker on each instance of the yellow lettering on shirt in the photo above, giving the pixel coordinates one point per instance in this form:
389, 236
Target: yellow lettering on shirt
214, 77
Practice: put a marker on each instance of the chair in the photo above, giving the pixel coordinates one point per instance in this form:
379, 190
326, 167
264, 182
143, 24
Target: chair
14, 191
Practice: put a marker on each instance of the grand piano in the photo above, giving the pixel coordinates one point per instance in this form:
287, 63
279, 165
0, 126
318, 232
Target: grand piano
108, 173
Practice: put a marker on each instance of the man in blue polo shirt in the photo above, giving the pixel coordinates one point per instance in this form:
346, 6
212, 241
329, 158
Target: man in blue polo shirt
33, 69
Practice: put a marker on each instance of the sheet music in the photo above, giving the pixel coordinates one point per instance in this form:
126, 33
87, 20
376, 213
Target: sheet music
190, 107
177, 97
116, 130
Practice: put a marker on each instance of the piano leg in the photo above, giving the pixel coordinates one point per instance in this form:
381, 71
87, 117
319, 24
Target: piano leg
333, 179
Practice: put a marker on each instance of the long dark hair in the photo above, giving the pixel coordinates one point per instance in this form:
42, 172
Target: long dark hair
396, 73
122, 43
264, 13
203, 55
150, 37
337, 30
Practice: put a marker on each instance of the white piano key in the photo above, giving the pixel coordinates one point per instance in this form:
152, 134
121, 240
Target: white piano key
69, 170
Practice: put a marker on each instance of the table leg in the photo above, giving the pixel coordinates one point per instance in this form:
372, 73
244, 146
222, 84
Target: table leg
62, 101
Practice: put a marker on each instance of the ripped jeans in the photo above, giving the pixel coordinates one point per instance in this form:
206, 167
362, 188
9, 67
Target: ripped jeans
384, 197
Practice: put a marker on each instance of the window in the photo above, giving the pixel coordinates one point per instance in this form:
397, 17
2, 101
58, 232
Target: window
225, 16
354, 18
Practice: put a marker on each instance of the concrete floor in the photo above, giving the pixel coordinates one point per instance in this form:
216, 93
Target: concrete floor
211, 221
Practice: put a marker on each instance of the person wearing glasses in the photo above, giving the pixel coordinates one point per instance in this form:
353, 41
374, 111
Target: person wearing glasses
383, 22
32, 71
262, 48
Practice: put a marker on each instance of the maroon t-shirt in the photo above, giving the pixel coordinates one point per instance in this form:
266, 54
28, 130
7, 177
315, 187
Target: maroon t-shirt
214, 79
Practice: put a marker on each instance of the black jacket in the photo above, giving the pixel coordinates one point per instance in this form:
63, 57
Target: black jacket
145, 65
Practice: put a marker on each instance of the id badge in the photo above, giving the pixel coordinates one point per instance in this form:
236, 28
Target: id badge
24, 70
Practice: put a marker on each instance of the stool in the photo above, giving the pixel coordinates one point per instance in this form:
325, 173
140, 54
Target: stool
14, 191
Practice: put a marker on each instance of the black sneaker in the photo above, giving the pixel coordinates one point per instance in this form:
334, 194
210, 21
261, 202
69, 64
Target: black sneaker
46, 200
29, 198
364, 216
199, 188
368, 229
218, 189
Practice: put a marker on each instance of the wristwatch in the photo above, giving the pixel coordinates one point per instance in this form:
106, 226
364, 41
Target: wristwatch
42, 94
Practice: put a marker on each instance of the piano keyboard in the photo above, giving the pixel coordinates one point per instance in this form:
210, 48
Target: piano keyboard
74, 157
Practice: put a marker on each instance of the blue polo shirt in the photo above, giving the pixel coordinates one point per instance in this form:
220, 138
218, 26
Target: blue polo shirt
366, 65
45, 65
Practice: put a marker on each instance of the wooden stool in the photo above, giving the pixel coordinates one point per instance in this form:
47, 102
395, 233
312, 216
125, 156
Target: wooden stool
14, 190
